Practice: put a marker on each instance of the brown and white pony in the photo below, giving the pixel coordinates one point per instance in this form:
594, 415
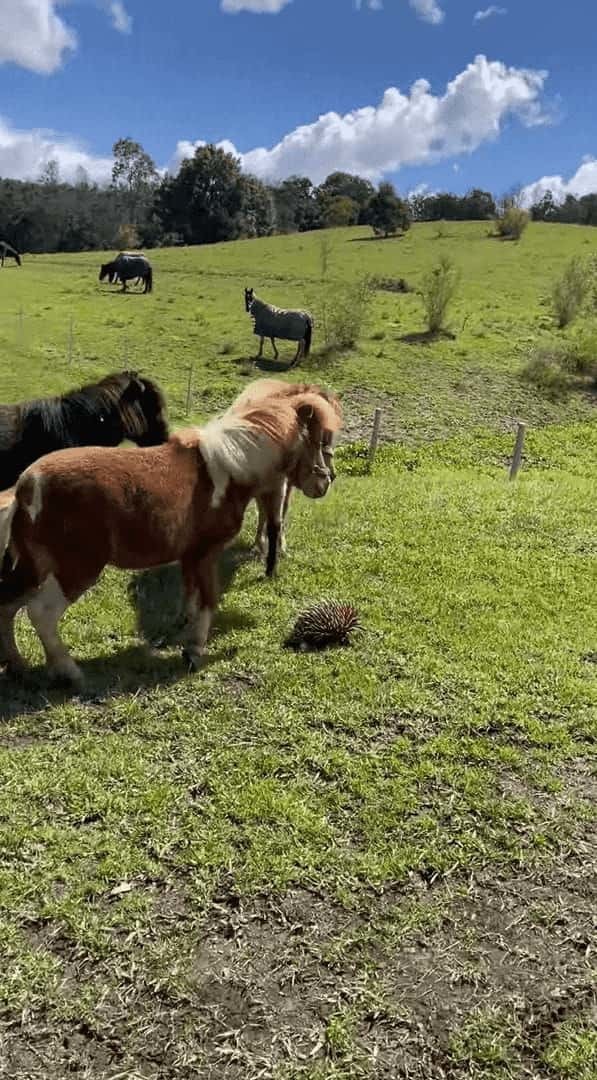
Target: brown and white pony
75, 511
272, 504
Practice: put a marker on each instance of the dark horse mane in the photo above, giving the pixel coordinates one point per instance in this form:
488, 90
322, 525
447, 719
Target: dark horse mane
123, 405
60, 415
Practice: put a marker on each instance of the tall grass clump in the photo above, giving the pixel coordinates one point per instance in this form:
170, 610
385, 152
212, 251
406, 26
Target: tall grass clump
439, 288
344, 311
512, 223
559, 367
569, 292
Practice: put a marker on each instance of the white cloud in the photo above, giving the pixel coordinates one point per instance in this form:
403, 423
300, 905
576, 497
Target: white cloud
584, 182
487, 13
121, 20
428, 10
404, 129
419, 191
23, 155
413, 128
257, 7
33, 36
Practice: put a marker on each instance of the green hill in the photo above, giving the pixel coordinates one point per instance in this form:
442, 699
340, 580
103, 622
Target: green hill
370, 862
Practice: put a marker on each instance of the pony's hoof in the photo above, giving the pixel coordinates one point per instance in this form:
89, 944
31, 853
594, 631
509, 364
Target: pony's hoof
193, 659
14, 669
67, 673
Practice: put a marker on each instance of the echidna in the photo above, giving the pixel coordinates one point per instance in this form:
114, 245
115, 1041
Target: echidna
326, 623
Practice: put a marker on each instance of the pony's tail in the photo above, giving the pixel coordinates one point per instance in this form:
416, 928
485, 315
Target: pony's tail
8, 505
149, 280
308, 337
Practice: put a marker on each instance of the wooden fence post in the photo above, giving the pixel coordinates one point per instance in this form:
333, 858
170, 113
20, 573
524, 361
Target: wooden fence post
374, 435
518, 448
189, 388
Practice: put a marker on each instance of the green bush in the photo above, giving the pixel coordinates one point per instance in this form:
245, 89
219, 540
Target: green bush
343, 313
557, 368
512, 223
569, 292
438, 290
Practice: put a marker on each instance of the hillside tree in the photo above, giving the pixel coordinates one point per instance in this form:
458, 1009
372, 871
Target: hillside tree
388, 213
203, 203
135, 175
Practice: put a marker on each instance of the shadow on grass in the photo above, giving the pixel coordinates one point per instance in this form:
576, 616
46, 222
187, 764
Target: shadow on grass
427, 337
375, 239
273, 365
157, 596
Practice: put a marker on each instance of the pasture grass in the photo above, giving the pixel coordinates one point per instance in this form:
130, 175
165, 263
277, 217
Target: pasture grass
369, 862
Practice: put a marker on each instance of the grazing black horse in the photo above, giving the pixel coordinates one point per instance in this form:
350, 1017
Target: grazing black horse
127, 267
121, 406
8, 252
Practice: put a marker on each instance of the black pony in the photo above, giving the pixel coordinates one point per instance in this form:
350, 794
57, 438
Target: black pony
121, 406
126, 267
8, 252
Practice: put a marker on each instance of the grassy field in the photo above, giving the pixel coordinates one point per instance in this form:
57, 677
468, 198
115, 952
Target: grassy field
370, 862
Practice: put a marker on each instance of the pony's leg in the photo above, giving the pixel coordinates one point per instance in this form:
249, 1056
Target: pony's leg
9, 652
16, 587
272, 502
276, 353
123, 285
260, 353
285, 506
259, 547
201, 596
45, 609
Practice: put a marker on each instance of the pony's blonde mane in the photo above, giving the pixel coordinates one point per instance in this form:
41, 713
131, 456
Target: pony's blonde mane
260, 437
262, 389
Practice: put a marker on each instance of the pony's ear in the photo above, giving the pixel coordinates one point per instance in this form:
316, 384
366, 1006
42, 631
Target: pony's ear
135, 386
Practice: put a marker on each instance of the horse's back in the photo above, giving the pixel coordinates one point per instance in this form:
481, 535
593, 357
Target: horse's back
131, 266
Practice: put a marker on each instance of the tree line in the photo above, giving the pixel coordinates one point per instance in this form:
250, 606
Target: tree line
211, 199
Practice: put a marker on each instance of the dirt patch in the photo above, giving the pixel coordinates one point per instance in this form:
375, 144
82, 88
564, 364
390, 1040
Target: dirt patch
380, 990
358, 406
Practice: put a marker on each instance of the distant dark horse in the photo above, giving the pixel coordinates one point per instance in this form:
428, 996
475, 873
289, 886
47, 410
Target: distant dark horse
113, 275
8, 252
121, 406
273, 322
127, 268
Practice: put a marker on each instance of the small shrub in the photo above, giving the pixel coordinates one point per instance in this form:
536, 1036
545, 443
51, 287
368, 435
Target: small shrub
128, 237
343, 313
557, 368
439, 288
579, 357
569, 292
399, 285
544, 370
512, 223
325, 252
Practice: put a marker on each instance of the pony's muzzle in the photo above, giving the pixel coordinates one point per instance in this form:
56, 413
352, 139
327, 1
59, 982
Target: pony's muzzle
315, 487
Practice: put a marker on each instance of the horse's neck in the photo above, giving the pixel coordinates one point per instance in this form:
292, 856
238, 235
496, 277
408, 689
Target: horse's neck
258, 306
46, 420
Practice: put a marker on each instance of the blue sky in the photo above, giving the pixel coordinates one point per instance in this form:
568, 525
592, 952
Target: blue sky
503, 99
